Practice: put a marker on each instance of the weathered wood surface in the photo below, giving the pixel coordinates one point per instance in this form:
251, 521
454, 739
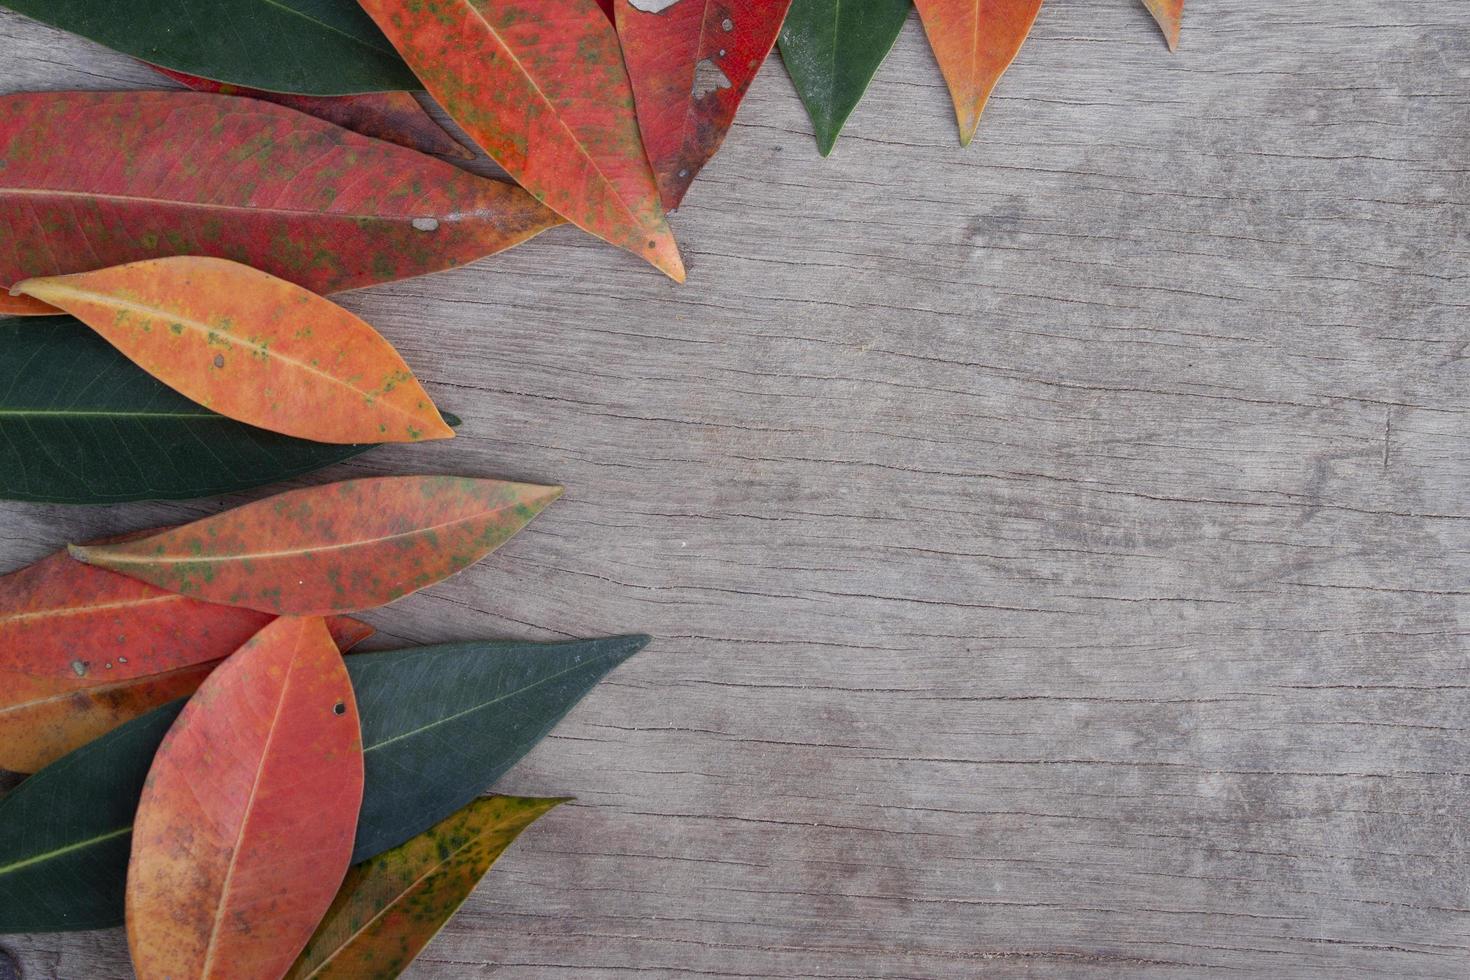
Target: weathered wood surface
1057, 549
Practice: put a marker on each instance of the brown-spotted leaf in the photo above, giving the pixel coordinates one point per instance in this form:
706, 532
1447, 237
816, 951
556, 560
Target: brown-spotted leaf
83, 650
245, 827
975, 41
251, 347
541, 87
334, 548
1170, 15
395, 117
240, 179
389, 908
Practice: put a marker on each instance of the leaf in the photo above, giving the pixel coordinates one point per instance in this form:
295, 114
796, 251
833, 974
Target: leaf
395, 117
315, 47
472, 709
541, 87
245, 826
975, 41
337, 548
390, 907
81, 424
691, 62
607, 7
83, 650
832, 49
1170, 15
238, 179
252, 347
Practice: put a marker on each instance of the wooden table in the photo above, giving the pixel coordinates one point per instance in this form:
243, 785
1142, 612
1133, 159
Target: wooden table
1056, 548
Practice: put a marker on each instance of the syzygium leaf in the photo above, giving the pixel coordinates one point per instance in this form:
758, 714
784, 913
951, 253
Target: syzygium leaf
244, 830
391, 906
235, 178
540, 86
1170, 15
832, 48
691, 62
331, 549
975, 41
470, 709
81, 424
396, 117
252, 347
318, 47
83, 650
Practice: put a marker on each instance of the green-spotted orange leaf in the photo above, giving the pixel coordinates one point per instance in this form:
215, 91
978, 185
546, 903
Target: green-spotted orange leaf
331, 549
395, 117
235, 178
1170, 15
832, 48
389, 908
975, 41
245, 827
83, 650
251, 347
540, 86
440, 725
691, 63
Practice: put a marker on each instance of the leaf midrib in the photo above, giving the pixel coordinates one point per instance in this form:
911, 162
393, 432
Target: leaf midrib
226, 206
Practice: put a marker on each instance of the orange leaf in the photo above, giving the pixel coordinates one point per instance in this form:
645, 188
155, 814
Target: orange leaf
542, 88
975, 41
331, 549
245, 826
251, 347
83, 650
1170, 15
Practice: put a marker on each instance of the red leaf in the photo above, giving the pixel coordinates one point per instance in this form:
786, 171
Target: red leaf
83, 650
540, 86
691, 62
607, 7
333, 548
1170, 15
393, 116
975, 41
246, 824
96, 179
251, 347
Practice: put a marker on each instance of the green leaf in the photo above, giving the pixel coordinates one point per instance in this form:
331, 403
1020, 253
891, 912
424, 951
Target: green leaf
81, 424
832, 48
439, 725
313, 47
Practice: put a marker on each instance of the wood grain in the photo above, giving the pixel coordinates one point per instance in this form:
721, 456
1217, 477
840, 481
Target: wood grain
1057, 549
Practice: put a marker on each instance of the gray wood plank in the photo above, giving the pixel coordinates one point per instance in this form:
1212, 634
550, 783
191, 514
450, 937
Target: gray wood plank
1056, 548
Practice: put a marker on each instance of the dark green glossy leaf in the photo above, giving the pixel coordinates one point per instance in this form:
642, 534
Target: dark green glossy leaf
439, 725
832, 48
312, 47
81, 424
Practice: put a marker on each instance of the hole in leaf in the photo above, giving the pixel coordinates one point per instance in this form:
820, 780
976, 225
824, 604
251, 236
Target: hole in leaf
340, 708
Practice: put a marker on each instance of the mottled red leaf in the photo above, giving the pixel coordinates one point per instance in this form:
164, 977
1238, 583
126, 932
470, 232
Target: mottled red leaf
245, 827
332, 549
691, 62
540, 86
1170, 15
975, 41
393, 116
95, 179
251, 347
83, 650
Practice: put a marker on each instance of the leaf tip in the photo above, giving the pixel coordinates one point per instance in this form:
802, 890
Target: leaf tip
80, 552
